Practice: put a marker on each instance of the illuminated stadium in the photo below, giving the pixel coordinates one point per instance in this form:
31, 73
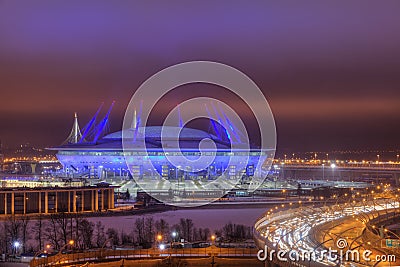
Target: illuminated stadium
105, 157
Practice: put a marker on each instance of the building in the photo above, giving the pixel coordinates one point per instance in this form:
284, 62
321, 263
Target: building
46, 200
105, 157
9, 181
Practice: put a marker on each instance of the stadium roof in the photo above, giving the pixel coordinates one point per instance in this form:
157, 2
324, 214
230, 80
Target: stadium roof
188, 139
169, 132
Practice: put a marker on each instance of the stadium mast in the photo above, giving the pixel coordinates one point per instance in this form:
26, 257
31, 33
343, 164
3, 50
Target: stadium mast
75, 134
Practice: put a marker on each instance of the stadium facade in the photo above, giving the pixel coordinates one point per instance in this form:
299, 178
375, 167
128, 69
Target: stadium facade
105, 157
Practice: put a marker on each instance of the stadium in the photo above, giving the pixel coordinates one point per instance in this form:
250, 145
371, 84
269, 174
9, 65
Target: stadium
105, 157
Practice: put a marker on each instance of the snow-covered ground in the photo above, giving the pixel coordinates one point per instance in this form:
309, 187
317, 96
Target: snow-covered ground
211, 218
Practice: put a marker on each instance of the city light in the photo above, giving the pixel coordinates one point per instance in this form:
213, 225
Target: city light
16, 244
177, 158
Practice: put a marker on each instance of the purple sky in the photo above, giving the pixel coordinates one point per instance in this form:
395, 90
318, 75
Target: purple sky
329, 69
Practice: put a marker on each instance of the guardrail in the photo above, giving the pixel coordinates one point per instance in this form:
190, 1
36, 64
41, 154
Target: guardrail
118, 254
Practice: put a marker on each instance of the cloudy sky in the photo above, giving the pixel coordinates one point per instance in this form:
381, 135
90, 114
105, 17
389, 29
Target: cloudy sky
329, 69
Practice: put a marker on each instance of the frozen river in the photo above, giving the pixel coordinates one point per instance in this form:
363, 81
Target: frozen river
212, 218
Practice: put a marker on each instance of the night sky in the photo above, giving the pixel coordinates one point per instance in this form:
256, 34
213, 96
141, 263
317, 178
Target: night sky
329, 69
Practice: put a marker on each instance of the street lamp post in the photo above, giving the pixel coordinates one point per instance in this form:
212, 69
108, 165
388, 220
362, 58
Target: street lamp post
70, 243
333, 166
16, 245
159, 238
213, 239
174, 235
45, 250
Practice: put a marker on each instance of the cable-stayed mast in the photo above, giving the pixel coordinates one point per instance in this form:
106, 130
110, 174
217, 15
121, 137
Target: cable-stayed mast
88, 129
102, 125
75, 134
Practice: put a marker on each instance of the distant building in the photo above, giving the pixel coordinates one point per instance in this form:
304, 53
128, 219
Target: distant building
47, 200
12, 182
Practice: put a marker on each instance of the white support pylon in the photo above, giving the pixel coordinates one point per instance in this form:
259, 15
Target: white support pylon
75, 134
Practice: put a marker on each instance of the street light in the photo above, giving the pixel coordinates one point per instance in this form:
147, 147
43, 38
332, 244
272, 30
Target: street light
16, 244
159, 238
70, 243
45, 250
333, 166
174, 234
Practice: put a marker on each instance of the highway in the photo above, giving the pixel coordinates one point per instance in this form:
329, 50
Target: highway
312, 231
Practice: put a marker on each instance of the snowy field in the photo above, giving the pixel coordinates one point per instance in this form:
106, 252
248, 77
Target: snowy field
212, 218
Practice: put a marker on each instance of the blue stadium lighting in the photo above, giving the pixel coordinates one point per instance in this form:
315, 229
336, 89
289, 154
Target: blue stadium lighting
213, 124
105, 157
103, 123
89, 126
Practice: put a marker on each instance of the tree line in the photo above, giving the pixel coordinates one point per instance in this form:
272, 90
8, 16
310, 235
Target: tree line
59, 228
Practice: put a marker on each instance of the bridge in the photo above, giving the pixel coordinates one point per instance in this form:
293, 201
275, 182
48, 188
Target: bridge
367, 172
208, 256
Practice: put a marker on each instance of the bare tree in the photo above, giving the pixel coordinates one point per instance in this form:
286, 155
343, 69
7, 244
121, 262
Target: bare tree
162, 227
62, 222
236, 231
140, 231
3, 239
126, 239
51, 232
149, 230
13, 228
186, 226
203, 234
24, 231
86, 230
112, 234
37, 230
100, 236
